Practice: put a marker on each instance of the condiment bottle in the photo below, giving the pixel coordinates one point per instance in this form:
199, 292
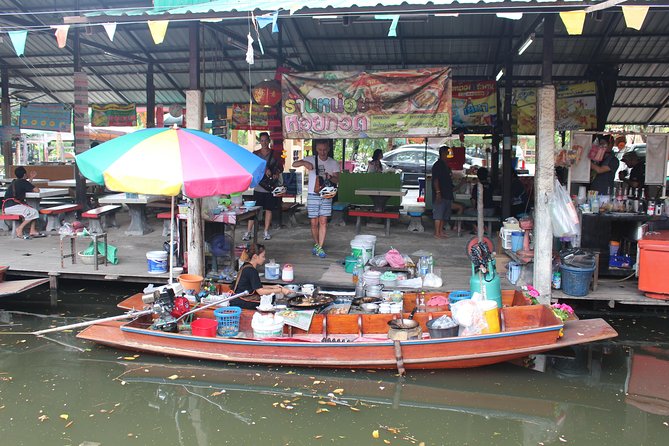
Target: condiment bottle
420, 303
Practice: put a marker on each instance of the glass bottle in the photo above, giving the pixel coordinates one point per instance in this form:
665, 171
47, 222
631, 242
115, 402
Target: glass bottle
420, 303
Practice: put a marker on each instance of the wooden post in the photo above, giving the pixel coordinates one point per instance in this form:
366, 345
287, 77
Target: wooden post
6, 123
544, 175
150, 98
195, 120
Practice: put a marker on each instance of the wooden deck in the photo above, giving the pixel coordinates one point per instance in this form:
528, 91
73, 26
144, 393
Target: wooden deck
41, 258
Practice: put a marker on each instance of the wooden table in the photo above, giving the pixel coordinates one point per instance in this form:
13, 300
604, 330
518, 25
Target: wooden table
137, 207
70, 184
36, 181
380, 196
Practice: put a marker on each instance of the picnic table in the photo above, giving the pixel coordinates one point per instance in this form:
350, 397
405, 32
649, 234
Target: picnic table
137, 207
380, 196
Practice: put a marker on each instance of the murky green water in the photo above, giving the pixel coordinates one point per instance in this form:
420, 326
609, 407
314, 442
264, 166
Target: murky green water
615, 393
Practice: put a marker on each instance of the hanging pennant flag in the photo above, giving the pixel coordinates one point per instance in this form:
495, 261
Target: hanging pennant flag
510, 15
634, 16
61, 34
110, 29
573, 21
18, 41
249, 51
266, 19
392, 32
158, 29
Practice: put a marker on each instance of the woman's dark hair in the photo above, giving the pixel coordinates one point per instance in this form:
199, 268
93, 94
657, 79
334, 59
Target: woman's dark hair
20, 172
378, 153
255, 249
263, 134
443, 149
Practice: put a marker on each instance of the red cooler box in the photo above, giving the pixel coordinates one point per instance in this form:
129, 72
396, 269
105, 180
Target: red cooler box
654, 265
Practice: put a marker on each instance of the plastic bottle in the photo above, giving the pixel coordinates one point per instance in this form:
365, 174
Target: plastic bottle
357, 270
420, 303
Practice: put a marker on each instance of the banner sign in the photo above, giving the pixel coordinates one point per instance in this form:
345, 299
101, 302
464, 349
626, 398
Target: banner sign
576, 107
81, 137
114, 115
53, 117
358, 104
258, 119
524, 111
474, 104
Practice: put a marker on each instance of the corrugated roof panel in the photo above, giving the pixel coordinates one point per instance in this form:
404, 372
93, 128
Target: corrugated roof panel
629, 115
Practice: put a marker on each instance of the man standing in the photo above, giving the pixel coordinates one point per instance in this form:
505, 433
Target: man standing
319, 208
442, 192
605, 170
637, 176
14, 202
262, 196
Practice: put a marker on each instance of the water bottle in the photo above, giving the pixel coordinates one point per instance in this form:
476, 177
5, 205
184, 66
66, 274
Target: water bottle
357, 270
423, 266
430, 263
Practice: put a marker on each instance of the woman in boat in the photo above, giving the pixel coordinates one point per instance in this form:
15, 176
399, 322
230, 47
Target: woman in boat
248, 279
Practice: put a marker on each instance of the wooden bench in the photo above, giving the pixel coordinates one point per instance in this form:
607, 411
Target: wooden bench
360, 212
94, 217
165, 216
53, 214
460, 218
289, 209
339, 209
14, 219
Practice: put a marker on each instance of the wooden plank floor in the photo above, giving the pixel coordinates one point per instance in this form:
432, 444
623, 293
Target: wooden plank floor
41, 257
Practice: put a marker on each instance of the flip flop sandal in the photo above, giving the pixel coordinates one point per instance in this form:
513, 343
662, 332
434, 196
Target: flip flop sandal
26, 237
40, 235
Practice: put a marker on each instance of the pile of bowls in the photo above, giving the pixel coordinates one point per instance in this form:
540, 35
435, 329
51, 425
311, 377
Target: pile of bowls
388, 280
372, 277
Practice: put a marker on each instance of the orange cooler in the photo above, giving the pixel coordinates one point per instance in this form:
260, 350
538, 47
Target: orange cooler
654, 265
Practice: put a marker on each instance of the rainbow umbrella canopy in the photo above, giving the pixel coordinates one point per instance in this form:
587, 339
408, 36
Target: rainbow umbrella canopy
167, 161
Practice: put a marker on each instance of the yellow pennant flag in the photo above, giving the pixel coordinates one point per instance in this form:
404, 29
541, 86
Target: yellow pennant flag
61, 34
634, 16
158, 29
573, 21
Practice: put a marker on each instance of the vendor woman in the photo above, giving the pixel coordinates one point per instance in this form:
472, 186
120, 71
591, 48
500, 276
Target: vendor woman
248, 279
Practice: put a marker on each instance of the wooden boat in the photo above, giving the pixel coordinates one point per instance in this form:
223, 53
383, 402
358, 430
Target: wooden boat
361, 340
12, 287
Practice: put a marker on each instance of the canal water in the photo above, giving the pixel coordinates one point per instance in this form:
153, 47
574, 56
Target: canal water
66, 391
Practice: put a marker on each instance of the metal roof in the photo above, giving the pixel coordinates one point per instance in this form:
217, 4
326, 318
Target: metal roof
475, 44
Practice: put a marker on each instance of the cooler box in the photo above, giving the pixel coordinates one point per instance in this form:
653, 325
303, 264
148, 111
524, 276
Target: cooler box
654, 264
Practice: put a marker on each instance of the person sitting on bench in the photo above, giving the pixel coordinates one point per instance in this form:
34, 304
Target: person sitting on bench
488, 205
14, 202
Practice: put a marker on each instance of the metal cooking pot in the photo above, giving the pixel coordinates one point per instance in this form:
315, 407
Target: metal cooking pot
404, 324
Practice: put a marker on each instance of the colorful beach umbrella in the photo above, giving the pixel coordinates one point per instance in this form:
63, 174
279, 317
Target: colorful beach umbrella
167, 161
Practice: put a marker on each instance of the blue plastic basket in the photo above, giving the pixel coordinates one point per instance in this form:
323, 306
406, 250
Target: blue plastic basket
228, 320
576, 281
458, 295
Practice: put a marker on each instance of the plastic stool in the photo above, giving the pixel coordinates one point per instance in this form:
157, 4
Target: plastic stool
416, 222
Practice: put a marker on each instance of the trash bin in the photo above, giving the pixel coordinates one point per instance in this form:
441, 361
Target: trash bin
575, 280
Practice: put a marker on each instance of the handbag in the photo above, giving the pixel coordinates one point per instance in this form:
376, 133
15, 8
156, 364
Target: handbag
269, 182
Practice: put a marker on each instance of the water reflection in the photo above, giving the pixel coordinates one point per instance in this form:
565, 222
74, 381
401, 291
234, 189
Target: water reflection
606, 393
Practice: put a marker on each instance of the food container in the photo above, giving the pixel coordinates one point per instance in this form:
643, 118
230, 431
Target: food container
370, 308
287, 273
441, 332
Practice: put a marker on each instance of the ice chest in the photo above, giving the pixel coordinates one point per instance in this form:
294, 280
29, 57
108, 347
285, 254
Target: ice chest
654, 264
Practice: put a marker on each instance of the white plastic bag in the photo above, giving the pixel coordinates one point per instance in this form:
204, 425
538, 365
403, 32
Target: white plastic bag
431, 280
564, 217
469, 317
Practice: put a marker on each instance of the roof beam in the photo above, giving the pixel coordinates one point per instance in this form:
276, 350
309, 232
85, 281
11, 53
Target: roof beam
225, 57
658, 109
30, 80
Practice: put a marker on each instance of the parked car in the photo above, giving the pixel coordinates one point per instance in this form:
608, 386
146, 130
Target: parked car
413, 160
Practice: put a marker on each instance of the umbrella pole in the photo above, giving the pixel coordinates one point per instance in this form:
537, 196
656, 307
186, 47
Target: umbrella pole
171, 250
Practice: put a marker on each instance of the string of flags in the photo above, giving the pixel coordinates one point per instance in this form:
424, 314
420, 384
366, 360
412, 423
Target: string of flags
573, 21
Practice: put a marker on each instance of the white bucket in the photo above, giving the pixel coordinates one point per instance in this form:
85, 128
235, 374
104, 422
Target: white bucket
360, 250
368, 242
156, 262
505, 235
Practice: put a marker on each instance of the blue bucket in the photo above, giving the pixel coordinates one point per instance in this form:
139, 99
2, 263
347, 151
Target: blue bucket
576, 281
156, 262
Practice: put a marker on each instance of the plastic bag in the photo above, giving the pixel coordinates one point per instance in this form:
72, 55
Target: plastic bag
563, 213
431, 280
378, 261
66, 229
469, 317
395, 259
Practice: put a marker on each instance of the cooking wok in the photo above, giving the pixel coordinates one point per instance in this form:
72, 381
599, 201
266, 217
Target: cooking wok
306, 302
366, 300
404, 324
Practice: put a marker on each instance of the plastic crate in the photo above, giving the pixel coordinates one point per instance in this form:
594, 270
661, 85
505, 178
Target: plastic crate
228, 320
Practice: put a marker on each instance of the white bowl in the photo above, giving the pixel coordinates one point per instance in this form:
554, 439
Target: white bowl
370, 307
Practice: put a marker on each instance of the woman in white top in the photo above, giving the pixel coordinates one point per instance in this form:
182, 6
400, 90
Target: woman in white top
319, 208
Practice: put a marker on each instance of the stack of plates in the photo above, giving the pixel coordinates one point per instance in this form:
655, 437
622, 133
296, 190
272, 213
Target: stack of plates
389, 280
371, 277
